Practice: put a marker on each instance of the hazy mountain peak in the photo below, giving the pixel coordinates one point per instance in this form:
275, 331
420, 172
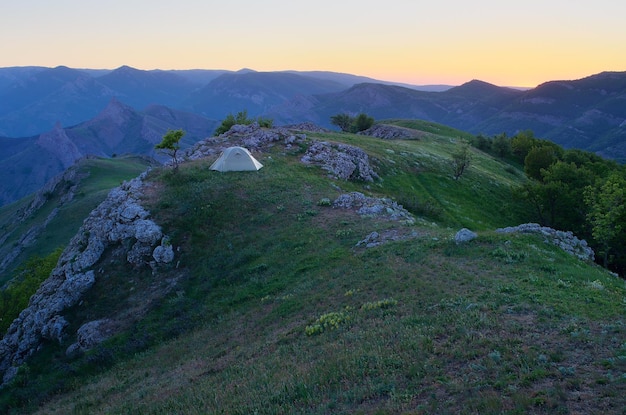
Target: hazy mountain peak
58, 143
126, 69
245, 70
116, 112
475, 86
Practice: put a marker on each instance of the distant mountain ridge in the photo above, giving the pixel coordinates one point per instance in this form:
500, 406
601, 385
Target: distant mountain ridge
33, 99
27, 164
588, 114
64, 114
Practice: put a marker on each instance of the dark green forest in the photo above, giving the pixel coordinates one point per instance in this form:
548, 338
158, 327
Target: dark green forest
569, 190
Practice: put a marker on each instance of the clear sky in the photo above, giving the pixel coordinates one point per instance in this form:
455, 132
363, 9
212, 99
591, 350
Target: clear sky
520, 43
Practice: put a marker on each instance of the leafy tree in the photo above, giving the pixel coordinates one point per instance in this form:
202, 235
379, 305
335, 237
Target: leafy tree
171, 144
537, 159
599, 166
343, 121
501, 145
522, 143
543, 197
362, 122
461, 160
241, 118
607, 212
569, 182
351, 124
482, 143
557, 197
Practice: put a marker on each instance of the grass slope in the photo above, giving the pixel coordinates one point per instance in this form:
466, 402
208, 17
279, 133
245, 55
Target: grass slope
277, 312
95, 177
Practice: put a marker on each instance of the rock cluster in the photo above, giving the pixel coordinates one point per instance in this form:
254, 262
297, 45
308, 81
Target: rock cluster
373, 207
253, 137
390, 132
307, 126
567, 241
380, 238
341, 161
119, 219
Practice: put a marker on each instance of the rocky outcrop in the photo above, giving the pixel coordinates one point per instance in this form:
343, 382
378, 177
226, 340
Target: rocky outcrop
373, 207
390, 235
390, 132
118, 220
342, 161
253, 137
567, 241
308, 126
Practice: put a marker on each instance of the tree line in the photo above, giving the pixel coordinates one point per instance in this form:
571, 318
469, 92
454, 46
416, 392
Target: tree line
570, 189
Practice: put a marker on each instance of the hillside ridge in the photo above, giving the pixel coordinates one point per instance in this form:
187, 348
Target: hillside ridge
121, 219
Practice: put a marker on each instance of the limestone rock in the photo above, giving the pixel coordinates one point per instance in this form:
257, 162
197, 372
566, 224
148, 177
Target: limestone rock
117, 221
567, 241
163, 254
372, 206
91, 334
341, 161
390, 132
464, 235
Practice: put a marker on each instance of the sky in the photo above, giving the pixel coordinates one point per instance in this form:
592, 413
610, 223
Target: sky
522, 43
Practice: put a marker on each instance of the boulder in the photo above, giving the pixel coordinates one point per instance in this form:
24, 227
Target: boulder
163, 254
390, 132
464, 235
92, 334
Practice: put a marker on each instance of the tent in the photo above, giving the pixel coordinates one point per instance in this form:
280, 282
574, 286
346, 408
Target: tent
236, 159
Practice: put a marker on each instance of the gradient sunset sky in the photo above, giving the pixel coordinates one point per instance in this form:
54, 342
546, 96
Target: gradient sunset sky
522, 43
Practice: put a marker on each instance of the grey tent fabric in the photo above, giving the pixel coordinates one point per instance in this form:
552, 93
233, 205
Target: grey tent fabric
236, 159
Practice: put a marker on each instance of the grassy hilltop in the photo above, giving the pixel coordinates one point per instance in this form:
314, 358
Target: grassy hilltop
276, 310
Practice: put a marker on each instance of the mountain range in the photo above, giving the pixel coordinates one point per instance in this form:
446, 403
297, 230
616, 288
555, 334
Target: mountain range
49, 117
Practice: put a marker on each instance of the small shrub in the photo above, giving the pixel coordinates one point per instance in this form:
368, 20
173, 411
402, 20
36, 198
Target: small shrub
328, 321
496, 356
343, 233
265, 122
242, 119
508, 256
563, 284
324, 202
311, 212
461, 160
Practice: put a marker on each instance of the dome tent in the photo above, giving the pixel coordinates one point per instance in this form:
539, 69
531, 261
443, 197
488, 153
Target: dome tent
236, 159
